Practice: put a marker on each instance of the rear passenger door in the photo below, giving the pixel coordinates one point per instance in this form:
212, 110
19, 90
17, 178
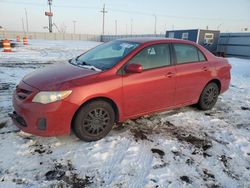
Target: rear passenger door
192, 73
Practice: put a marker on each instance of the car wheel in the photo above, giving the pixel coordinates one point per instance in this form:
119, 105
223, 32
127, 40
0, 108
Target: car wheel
209, 96
94, 121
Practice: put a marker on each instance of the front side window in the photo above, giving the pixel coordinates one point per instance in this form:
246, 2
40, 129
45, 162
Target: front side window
153, 57
105, 56
186, 53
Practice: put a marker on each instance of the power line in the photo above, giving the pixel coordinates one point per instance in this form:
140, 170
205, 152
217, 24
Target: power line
175, 17
21, 3
58, 30
131, 11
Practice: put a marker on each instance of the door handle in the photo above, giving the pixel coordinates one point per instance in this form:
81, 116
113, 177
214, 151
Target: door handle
204, 68
170, 74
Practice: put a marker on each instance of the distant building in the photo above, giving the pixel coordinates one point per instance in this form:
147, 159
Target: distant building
1, 28
206, 38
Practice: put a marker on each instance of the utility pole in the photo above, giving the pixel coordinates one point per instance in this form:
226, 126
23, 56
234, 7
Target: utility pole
155, 23
103, 11
23, 25
115, 27
27, 23
49, 14
126, 29
50, 17
74, 22
131, 27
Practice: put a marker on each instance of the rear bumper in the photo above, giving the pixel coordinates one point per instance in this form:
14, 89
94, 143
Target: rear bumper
225, 87
52, 119
225, 83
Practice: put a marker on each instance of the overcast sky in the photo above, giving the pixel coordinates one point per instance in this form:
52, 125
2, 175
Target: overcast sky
227, 15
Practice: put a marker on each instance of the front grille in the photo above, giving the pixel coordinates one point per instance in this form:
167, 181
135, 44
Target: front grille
22, 93
18, 119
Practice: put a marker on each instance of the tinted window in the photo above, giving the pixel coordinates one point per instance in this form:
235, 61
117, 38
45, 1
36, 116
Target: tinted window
106, 55
186, 53
201, 56
153, 56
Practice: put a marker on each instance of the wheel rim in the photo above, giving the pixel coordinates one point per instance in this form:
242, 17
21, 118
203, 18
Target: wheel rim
210, 96
96, 121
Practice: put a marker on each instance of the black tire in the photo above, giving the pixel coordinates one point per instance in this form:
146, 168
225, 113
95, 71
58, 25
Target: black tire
94, 121
209, 96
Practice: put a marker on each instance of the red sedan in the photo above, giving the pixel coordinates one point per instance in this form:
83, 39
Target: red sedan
116, 81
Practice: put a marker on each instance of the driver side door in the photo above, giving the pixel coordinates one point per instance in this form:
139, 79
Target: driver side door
154, 88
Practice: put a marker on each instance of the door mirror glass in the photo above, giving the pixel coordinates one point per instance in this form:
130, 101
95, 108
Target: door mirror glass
133, 68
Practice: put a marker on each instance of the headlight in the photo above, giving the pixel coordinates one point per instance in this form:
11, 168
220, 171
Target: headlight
46, 97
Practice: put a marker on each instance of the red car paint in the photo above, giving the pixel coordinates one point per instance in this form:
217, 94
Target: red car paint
134, 94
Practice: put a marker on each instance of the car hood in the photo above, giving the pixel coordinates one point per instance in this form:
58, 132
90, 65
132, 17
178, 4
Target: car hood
57, 77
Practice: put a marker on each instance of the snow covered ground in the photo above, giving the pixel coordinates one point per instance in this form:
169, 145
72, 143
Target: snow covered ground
179, 148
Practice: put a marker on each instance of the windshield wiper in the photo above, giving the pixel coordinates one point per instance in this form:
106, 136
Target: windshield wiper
75, 61
91, 67
84, 64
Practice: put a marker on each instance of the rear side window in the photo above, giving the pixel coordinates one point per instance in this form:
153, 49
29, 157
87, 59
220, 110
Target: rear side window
201, 56
154, 56
186, 53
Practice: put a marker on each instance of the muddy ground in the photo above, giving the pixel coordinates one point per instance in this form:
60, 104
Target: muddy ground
178, 148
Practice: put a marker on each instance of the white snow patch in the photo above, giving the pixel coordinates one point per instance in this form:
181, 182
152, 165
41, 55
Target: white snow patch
179, 148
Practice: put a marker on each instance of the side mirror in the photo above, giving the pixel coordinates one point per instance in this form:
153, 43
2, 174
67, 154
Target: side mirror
133, 68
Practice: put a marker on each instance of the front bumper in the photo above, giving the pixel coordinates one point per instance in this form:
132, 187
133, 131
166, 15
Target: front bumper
52, 119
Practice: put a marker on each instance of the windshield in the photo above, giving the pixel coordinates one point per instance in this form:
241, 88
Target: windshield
105, 56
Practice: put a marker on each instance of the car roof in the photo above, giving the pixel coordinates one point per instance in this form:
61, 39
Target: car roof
151, 39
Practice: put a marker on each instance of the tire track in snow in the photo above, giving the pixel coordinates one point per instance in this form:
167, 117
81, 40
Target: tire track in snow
113, 163
138, 163
106, 156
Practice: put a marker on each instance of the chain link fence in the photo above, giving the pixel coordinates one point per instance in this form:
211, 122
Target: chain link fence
49, 36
